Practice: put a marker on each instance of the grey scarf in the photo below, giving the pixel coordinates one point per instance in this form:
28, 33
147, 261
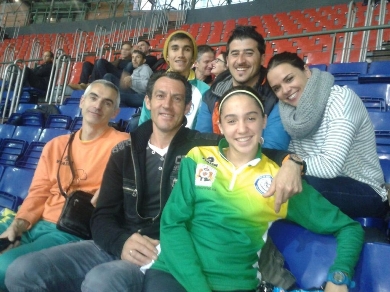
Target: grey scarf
305, 119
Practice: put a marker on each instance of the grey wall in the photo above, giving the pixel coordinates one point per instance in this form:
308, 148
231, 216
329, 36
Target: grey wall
259, 7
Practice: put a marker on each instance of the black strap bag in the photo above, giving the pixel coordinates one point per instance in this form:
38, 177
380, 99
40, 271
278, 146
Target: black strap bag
77, 211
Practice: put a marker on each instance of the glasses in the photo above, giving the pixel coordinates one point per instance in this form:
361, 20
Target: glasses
219, 60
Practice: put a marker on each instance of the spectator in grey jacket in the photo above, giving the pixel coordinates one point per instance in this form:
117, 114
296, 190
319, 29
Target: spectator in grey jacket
133, 86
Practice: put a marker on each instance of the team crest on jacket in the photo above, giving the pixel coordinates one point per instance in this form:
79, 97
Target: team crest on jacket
263, 183
205, 175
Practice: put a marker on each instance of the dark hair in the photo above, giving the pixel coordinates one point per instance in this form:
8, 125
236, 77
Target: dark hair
172, 75
126, 43
224, 56
145, 41
139, 53
286, 57
242, 89
204, 49
242, 32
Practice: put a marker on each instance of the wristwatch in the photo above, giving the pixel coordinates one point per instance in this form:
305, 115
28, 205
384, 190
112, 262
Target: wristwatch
340, 278
298, 160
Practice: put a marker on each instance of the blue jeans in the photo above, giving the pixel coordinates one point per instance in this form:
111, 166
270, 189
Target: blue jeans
354, 198
101, 68
80, 266
42, 235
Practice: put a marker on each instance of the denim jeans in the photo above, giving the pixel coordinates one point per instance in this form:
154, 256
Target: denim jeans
101, 68
80, 266
86, 71
354, 198
42, 235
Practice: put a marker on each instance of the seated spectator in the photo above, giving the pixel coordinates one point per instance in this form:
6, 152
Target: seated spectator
91, 72
143, 46
35, 222
179, 52
203, 64
39, 77
219, 64
136, 184
331, 130
133, 86
218, 214
246, 53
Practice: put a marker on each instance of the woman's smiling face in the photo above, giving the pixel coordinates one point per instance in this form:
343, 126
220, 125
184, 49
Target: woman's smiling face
288, 82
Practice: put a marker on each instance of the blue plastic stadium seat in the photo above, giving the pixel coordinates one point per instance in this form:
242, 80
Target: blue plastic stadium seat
385, 165
373, 269
14, 186
58, 121
378, 72
36, 119
77, 94
72, 100
374, 96
347, 73
27, 133
76, 124
381, 123
6, 131
22, 107
31, 156
71, 110
322, 67
307, 255
125, 114
11, 150
50, 133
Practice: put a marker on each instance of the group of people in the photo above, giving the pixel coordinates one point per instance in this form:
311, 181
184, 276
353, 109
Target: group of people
185, 201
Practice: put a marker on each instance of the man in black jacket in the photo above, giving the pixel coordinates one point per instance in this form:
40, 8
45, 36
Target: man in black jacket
136, 185
39, 77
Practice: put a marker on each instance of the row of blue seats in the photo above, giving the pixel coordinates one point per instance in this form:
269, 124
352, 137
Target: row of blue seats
64, 120
358, 72
31, 133
381, 123
309, 256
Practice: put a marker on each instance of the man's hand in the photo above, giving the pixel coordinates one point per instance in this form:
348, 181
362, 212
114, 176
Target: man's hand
14, 231
285, 184
140, 249
331, 287
127, 82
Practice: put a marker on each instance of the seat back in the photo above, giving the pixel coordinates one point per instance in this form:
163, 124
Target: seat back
76, 124
71, 110
308, 256
373, 269
35, 119
11, 150
14, 186
347, 73
27, 133
31, 156
379, 67
58, 121
50, 133
6, 131
374, 96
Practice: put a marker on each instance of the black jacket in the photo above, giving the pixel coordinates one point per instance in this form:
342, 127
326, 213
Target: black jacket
116, 216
